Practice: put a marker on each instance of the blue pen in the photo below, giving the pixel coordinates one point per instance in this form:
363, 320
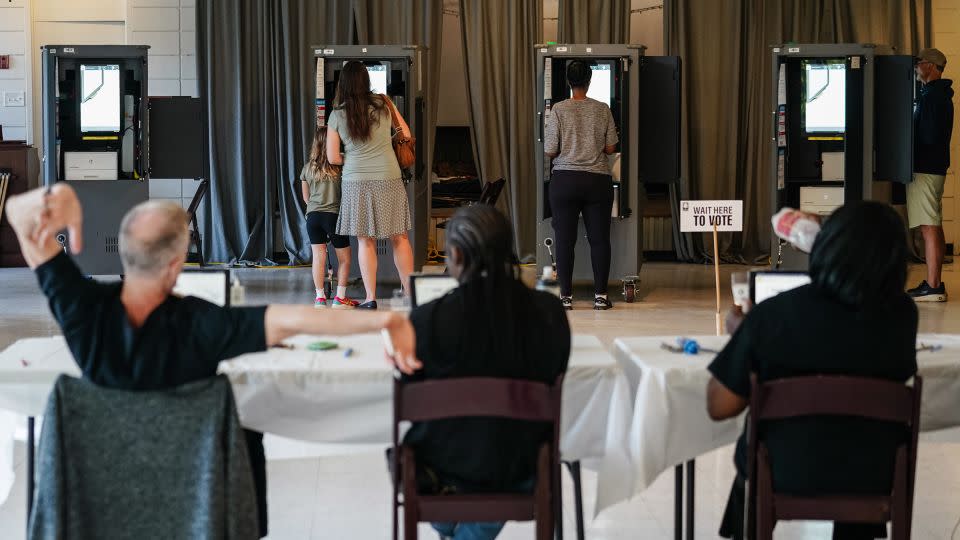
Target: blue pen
347, 353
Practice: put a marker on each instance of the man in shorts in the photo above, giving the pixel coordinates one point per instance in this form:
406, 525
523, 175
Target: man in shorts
932, 127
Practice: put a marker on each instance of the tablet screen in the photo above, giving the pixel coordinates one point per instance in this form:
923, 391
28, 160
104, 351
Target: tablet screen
429, 287
766, 285
210, 285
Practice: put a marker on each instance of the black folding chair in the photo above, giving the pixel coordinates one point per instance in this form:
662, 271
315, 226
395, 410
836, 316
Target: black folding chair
195, 239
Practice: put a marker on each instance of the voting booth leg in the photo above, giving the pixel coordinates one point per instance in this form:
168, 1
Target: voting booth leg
30, 471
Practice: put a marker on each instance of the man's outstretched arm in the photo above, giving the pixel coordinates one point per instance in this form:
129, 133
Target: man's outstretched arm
37, 216
283, 321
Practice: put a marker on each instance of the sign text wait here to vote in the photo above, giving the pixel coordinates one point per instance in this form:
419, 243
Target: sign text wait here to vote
703, 216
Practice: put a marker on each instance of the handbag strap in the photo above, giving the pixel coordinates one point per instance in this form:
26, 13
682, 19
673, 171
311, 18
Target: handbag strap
393, 111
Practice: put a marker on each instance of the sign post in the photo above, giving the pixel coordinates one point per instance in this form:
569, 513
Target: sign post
715, 216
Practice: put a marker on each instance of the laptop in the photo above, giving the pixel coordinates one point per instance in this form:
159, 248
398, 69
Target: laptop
210, 285
765, 284
428, 287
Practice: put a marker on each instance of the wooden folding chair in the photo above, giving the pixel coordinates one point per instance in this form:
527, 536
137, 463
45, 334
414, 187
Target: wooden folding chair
858, 397
473, 397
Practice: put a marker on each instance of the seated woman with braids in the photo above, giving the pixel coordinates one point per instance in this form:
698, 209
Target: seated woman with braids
492, 325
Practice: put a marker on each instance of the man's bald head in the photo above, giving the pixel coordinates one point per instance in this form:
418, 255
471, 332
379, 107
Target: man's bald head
153, 235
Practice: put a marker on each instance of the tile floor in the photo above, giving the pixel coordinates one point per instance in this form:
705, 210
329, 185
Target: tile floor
345, 494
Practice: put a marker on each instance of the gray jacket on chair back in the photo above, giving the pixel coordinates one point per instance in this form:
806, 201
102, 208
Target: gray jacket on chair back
115, 464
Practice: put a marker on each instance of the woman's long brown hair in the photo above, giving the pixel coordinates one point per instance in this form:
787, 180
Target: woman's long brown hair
361, 107
319, 167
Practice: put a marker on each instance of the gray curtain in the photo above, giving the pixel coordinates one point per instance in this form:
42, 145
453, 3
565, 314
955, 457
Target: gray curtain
594, 21
498, 40
408, 22
256, 80
725, 46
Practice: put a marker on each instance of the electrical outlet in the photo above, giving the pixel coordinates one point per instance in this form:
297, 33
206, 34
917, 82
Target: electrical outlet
13, 99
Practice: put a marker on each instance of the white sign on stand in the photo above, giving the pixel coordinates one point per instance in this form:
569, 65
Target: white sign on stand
712, 216
701, 216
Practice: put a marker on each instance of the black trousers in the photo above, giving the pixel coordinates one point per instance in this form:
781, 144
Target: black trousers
573, 193
733, 519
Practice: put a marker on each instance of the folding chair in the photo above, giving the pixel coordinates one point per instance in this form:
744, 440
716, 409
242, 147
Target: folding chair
488, 195
195, 239
859, 397
472, 397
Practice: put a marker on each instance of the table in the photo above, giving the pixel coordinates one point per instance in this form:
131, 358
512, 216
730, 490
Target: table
332, 398
669, 392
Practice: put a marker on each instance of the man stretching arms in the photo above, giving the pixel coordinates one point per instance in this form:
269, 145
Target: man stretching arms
136, 335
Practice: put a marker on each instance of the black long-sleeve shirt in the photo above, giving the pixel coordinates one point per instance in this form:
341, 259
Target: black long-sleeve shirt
454, 339
932, 128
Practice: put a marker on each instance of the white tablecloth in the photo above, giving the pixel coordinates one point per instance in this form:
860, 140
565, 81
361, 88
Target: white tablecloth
670, 423
333, 398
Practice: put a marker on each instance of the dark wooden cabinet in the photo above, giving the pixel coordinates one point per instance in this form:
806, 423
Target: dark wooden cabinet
20, 160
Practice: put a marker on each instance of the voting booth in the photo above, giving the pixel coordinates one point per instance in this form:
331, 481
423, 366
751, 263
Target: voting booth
842, 129
399, 72
643, 93
95, 138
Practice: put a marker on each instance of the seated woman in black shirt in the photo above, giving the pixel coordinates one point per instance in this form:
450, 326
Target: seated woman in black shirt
492, 325
854, 319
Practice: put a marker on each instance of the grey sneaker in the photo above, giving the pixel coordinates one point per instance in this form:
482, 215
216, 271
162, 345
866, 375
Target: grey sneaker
925, 293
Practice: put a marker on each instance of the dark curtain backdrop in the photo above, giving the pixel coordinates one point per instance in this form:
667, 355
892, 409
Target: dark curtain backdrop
498, 40
256, 81
727, 84
594, 21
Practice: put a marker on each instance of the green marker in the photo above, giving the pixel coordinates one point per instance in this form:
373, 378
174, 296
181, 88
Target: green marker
321, 346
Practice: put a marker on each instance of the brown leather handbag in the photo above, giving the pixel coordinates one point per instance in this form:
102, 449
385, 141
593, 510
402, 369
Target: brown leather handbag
404, 148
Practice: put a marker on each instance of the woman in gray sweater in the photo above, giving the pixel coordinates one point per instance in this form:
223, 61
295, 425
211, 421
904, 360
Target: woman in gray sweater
579, 135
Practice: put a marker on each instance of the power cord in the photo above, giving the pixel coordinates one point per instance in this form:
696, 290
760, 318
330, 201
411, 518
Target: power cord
955, 529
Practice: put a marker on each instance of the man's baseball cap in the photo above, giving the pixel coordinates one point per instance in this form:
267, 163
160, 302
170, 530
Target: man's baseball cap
934, 56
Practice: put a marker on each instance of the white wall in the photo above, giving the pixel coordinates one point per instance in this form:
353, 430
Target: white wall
14, 40
551, 12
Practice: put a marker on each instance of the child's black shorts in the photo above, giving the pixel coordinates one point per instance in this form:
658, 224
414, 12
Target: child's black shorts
322, 228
